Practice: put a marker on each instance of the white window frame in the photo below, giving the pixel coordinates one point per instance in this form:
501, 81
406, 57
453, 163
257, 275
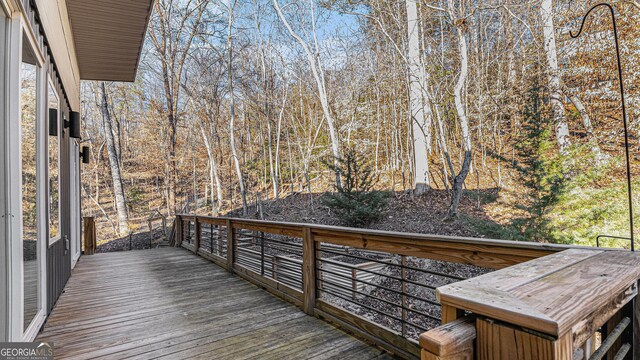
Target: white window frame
12, 166
53, 240
17, 29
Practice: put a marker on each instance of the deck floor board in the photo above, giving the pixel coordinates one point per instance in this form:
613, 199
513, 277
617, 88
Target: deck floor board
168, 303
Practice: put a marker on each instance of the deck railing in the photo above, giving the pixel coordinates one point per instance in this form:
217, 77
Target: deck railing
378, 284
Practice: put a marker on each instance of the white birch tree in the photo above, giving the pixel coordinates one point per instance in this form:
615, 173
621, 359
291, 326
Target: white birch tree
419, 107
457, 180
232, 107
555, 94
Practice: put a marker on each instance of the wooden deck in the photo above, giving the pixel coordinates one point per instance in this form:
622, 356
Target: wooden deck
168, 303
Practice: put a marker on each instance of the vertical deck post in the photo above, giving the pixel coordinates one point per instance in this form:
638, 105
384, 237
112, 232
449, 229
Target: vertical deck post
308, 271
196, 233
89, 235
211, 237
231, 248
179, 233
450, 313
354, 283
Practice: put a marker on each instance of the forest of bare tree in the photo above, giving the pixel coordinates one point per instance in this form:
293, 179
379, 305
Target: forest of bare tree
475, 118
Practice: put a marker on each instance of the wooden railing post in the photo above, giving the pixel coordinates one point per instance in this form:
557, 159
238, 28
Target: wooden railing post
231, 248
308, 271
179, 233
196, 234
90, 235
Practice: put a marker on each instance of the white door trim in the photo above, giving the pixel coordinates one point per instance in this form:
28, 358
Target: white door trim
75, 201
41, 182
4, 201
12, 181
13, 185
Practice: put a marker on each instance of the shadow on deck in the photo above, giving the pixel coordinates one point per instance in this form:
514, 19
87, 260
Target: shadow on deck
167, 303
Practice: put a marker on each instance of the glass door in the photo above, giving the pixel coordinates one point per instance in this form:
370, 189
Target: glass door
29, 117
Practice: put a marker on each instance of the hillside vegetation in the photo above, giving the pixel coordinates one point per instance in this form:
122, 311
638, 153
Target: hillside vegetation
476, 119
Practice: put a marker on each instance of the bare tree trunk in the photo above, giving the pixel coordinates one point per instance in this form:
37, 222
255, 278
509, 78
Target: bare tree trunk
276, 179
419, 109
458, 180
267, 109
557, 108
114, 165
214, 178
232, 110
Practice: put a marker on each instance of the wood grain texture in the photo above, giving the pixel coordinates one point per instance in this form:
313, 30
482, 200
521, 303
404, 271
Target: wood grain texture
500, 342
450, 341
89, 232
489, 253
309, 271
385, 337
166, 303
463, 355
584, 329
197, 234
535, 294
231, 245
450, 313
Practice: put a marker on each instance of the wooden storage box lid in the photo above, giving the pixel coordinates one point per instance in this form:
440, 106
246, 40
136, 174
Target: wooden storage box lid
552, 294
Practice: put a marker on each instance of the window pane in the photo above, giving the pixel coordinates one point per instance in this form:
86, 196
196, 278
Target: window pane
54, 181
28, 121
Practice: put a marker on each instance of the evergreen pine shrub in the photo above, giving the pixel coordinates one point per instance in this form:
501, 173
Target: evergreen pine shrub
355, 200
542, 169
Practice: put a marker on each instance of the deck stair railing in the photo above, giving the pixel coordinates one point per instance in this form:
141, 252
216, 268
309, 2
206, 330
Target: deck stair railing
392, 288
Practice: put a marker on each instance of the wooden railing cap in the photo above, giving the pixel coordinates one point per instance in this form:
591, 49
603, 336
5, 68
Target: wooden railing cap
392, 234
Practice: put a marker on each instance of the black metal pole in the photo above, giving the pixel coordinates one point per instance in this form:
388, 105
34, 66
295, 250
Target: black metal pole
624, 108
